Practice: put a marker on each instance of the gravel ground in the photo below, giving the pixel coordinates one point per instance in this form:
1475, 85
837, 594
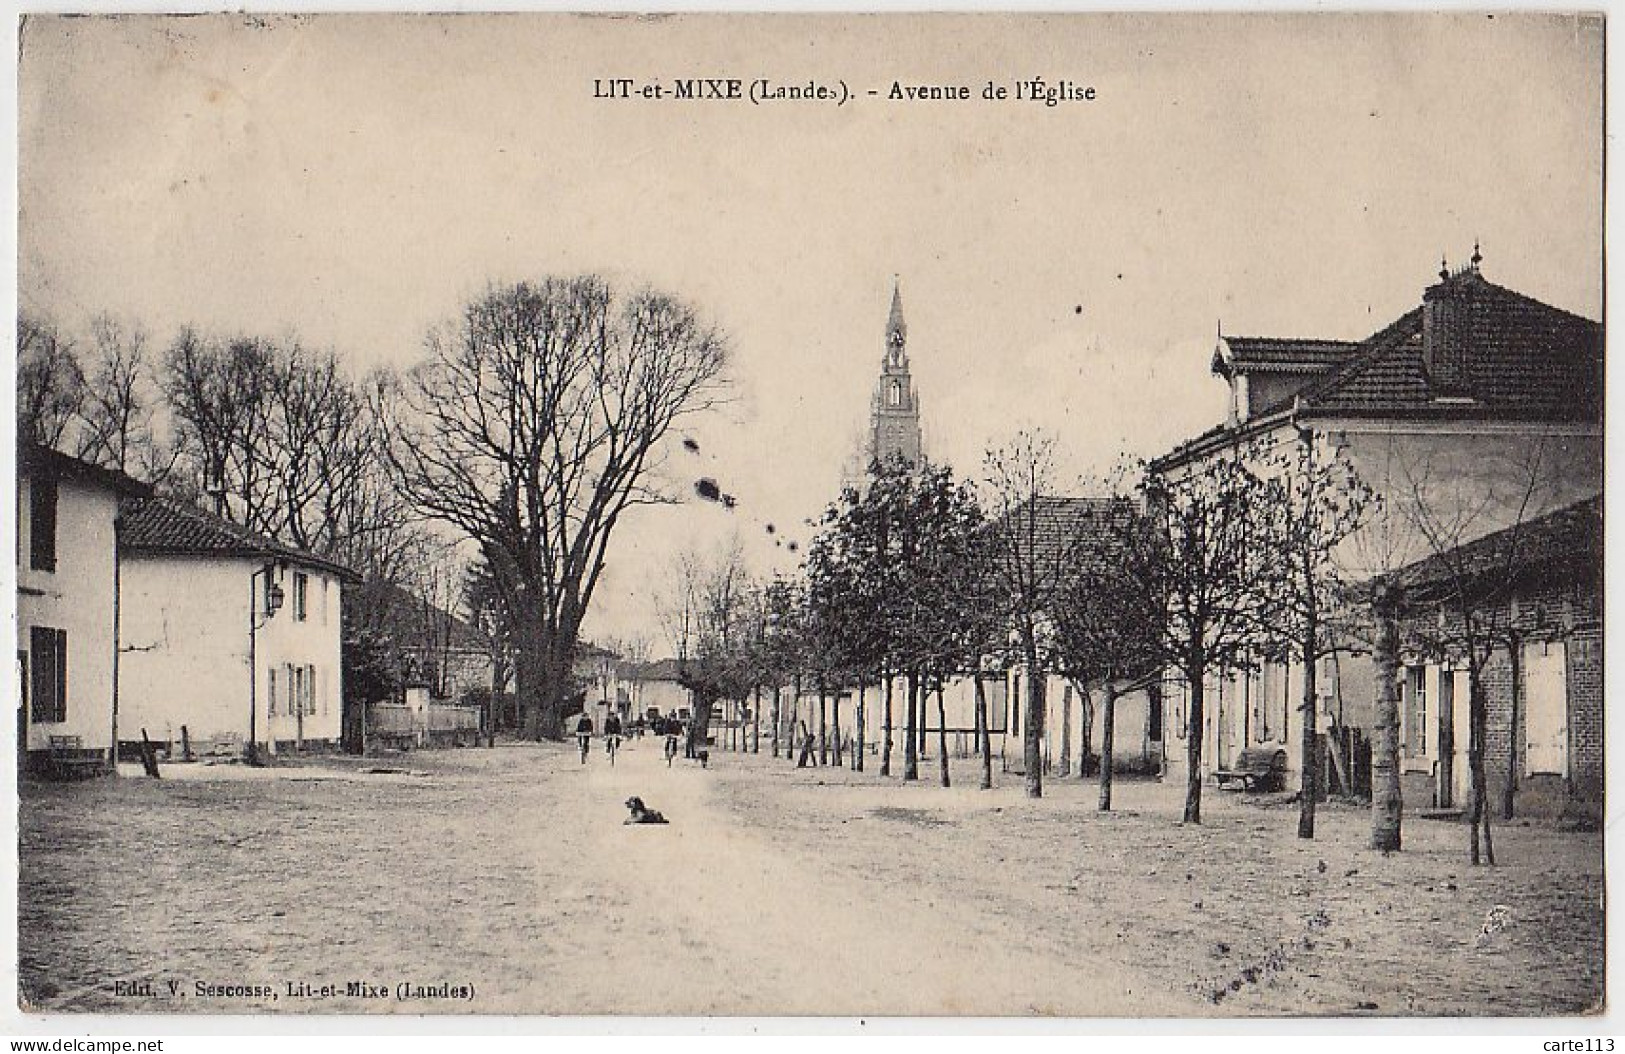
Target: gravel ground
502, 881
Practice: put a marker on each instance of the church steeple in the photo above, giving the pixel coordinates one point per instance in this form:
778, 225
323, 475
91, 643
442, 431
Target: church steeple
894, 425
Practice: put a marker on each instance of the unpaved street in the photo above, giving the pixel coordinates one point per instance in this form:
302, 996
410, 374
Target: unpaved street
504, 881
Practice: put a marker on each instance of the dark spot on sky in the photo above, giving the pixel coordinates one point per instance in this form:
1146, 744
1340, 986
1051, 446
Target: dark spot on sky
791, 547
691, 446
707, 488
1078, 310
771, 529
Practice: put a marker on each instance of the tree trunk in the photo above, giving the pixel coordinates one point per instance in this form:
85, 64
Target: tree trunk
1194, 674
942, 734
1477, 741
756, 723
778, 716
836, 703
858, 719
885, 727
1033, 733
823, 724
1065, 768
1509, 790
911, 747
1447, 745
984, 743
1386, 803
1108, 723
1086, 717
699, 728
1309, 766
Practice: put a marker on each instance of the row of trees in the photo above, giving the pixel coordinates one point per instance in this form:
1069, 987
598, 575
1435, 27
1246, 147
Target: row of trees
919, 578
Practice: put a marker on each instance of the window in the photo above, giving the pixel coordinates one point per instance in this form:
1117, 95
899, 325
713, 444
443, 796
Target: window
325, 584
49, 648
42, 524
896, 396
301, 586
1153, 724
1416, 711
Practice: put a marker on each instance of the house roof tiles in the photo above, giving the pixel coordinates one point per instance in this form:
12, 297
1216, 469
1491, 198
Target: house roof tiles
158, 525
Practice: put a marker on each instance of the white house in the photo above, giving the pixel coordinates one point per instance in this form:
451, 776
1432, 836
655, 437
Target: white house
230, 637
67, 607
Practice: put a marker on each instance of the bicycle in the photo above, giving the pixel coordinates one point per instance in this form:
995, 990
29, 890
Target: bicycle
611, 745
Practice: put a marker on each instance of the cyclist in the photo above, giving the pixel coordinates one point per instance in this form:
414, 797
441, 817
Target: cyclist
673, 729
612, 735
583, 734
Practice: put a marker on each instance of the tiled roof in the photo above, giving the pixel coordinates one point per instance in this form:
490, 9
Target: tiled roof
156, 525
659, 670
1059, 526
34, 459
1569, 540
1282, 354
1527, 361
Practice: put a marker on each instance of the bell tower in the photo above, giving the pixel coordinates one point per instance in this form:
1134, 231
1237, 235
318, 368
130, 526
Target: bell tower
894, 418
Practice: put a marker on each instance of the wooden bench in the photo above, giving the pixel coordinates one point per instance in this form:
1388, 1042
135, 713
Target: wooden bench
70, 760
1257, 768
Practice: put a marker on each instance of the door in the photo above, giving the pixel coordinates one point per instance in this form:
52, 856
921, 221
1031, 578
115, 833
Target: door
1546, 708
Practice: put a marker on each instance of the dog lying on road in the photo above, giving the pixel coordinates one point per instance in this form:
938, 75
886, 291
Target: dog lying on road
641, 813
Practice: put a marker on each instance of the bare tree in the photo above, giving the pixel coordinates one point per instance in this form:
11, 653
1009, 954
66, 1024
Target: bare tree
1321, 501
707, 611
535, 425
50, 382
1478, 544
1027, 566
1205, 555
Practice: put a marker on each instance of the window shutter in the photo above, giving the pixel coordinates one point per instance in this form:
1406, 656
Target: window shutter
61, 675
42, 496
270, 695
42, 643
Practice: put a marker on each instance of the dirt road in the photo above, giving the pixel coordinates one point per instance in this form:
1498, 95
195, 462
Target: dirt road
706, 916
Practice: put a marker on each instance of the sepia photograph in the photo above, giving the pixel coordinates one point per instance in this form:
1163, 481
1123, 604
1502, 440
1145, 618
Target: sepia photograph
961, 515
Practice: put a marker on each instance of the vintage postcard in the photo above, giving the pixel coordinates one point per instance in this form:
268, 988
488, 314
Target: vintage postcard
1065, 515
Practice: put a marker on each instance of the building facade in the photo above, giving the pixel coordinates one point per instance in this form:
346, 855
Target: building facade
229, 635
68, 585
1477, 409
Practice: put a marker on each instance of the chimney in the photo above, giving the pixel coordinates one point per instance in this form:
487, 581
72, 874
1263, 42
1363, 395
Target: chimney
1450, 313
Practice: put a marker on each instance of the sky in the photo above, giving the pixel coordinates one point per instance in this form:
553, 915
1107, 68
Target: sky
354, 179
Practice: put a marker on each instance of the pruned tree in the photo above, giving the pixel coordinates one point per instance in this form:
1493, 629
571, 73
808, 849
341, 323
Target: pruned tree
1028, 563
1479, 550
1206, 554
1319, 501
1107, 622
537, 422
122, 404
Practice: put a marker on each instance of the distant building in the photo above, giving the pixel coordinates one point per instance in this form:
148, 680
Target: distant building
68, 641
229, 633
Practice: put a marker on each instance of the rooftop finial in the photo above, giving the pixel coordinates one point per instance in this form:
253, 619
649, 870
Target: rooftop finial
1444, 267
1477, 257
